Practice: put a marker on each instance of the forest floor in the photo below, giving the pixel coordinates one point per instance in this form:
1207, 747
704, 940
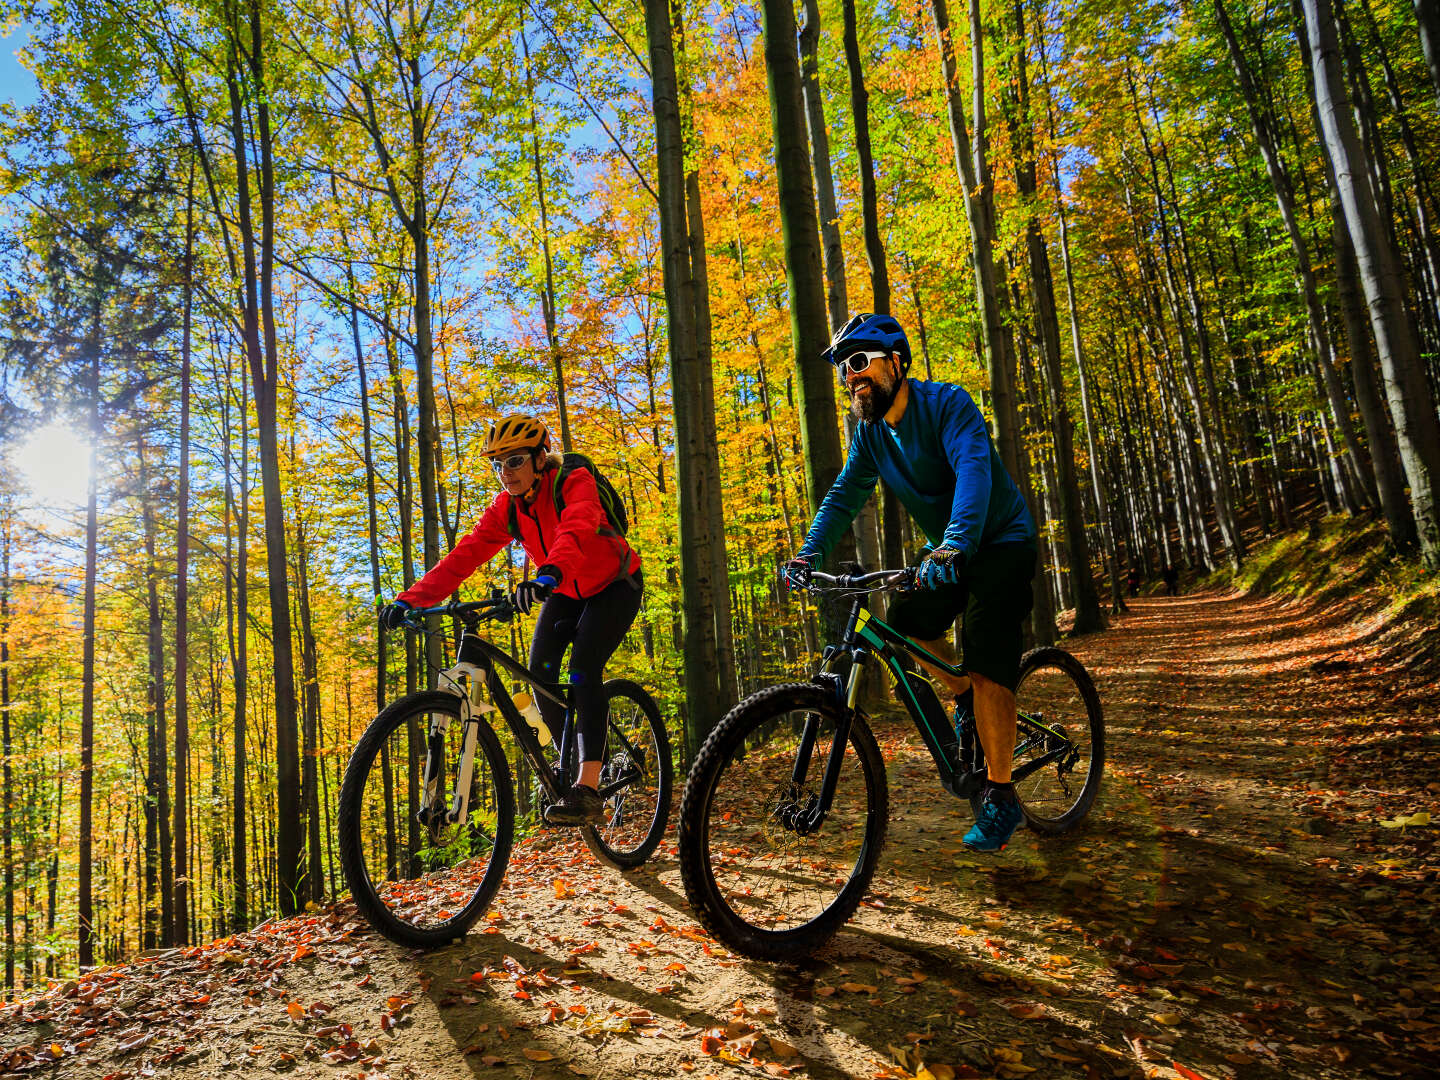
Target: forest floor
1243, 901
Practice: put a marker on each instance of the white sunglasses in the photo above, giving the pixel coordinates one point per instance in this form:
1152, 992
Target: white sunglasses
858, 361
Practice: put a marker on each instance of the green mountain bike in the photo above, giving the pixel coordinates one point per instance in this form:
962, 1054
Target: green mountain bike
785, 808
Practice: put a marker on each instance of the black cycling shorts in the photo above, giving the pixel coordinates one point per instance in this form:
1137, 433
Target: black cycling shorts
994, 596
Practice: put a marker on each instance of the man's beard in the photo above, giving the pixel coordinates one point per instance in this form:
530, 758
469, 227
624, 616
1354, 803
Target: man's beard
874, 405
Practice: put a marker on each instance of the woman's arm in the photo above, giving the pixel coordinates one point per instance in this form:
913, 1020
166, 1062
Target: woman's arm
490, 534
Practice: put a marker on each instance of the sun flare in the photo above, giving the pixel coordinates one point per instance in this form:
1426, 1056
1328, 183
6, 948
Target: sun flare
53, 464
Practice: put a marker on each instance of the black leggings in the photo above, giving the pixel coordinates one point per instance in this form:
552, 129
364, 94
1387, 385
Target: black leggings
594, 628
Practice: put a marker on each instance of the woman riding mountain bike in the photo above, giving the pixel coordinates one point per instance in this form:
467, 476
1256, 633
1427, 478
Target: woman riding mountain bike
588, 581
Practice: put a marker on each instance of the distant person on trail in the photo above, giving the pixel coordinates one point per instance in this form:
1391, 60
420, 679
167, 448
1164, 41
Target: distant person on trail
929, 443
1133, 580
588, 581
1171, 577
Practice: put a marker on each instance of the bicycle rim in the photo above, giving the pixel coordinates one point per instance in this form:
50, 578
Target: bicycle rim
638, 774
421, 878
1060, 721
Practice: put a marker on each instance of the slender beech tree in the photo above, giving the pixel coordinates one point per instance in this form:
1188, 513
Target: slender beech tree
1083, 596
836, 295
182, 586
1261, 126
703, 692
819, 425
248, 81
1412, 407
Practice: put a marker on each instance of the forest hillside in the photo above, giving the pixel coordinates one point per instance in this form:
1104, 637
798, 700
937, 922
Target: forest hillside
1246, 899
273, 270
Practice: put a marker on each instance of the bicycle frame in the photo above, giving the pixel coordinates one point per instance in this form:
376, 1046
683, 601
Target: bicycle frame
866, 634
479, 661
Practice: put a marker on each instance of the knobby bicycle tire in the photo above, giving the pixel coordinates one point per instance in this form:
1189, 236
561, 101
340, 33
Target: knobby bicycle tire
1093, 722
608, 842
349, 827
697, 872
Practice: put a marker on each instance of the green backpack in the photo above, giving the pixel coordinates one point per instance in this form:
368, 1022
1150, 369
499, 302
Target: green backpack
610, 501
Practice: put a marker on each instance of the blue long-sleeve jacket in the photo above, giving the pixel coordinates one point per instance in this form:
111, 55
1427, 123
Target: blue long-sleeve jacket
940, 462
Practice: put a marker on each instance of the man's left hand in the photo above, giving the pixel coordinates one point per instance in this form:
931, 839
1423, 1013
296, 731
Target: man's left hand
941, 567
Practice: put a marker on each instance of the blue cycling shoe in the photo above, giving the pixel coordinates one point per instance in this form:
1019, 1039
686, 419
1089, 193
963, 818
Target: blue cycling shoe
997, 821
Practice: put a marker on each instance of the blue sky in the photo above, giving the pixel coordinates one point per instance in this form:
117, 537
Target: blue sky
16, 84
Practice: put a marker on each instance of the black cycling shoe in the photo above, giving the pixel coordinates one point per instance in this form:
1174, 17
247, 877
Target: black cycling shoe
580, 805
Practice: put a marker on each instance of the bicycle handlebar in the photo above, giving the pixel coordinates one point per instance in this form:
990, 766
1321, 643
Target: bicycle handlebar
880, 579
499, 608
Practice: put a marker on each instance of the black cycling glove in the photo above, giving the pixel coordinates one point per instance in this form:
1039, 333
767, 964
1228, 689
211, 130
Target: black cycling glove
394, 614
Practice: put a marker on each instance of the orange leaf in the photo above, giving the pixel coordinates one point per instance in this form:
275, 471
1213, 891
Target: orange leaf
561, 889
296, 1010
858, 988
1188, 1074
538, 1055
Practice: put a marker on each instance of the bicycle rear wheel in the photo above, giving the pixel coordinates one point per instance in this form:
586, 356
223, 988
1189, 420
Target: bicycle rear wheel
759, 883
419, 878
1060, 742
638, 773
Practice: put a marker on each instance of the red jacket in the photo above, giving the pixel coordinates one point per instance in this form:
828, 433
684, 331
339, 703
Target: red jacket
588, 561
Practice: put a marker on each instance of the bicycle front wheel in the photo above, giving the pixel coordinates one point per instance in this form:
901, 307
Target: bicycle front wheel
419, 877
635, 781
1060, 741
761, 879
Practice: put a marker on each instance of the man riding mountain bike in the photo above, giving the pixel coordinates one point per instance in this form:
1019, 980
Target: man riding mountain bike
928, 442
588, 580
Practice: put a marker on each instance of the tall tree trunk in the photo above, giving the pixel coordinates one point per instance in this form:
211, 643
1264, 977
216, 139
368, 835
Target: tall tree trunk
1260, 125
836, 294
1412, 407
837, 301
85, 902
373, 535
547, 294
9, 825
819, 425
714, 505
1082, 593
314, 883
182, 594
1384, 456
860, 115
702, 689
1427, 14
159, 869
264, 373
972, 163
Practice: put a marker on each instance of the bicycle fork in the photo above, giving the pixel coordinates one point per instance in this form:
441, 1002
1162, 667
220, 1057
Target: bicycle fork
432, 795
807, 819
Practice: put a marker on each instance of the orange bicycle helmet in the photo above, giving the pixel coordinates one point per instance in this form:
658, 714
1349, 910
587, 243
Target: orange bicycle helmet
516, 432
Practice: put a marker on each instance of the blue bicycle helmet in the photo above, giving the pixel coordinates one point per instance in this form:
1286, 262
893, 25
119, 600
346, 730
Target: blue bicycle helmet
869, 331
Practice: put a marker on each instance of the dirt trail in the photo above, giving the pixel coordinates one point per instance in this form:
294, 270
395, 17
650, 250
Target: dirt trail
1234, 907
